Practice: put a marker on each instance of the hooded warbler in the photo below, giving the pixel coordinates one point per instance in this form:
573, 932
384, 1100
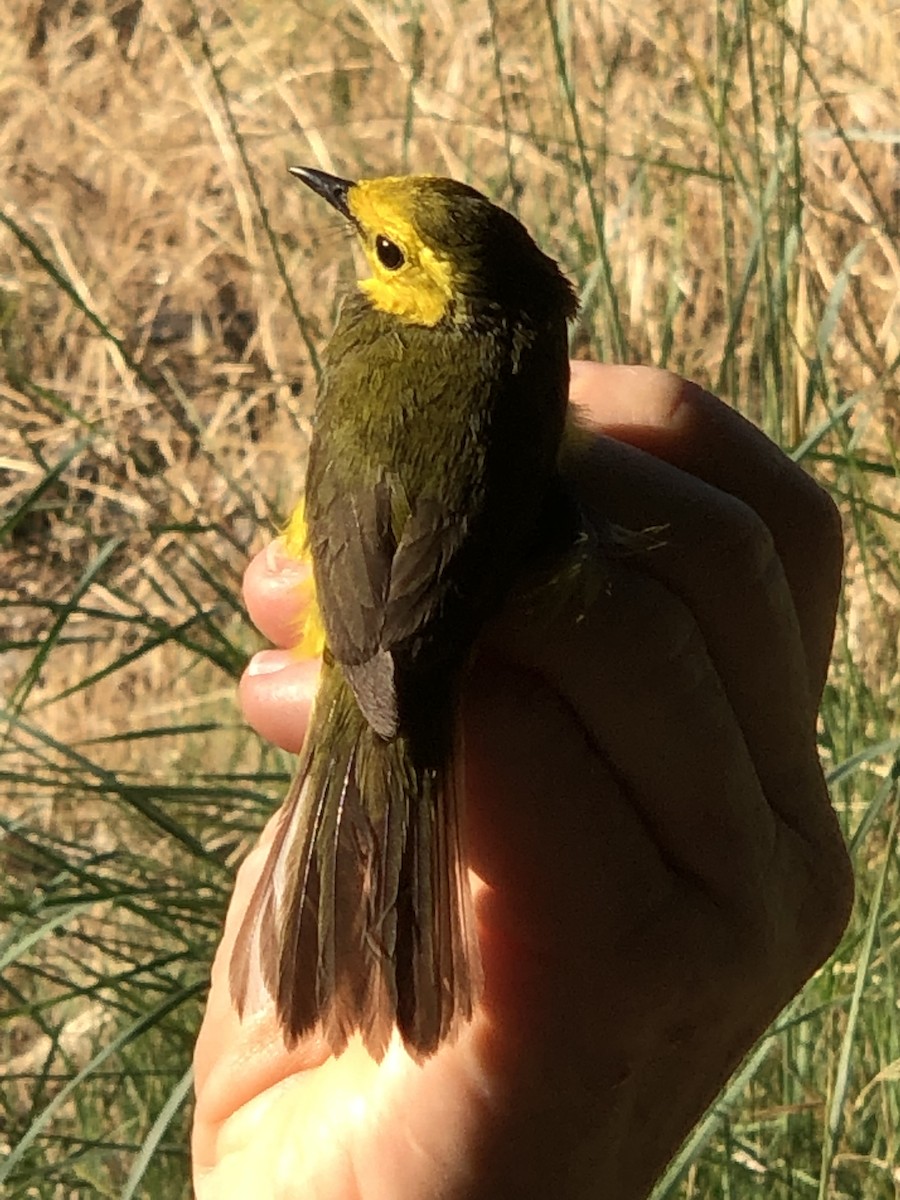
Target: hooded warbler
433, 471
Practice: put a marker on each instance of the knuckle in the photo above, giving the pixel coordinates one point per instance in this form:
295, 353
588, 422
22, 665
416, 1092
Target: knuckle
818, 520
832, 892
746, 550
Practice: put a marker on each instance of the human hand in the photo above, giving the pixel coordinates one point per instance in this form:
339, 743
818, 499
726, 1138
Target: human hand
660, 867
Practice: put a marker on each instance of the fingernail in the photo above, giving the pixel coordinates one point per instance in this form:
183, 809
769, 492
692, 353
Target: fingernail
267, 662
278, 562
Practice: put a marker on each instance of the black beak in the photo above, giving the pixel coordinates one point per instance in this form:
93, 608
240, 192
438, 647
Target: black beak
329, 187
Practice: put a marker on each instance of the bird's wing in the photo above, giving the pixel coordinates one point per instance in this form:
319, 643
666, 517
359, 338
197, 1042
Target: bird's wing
423, 570
382, 577
352, 542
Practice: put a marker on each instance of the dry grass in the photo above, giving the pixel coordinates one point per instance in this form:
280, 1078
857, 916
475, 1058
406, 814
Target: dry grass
741, 226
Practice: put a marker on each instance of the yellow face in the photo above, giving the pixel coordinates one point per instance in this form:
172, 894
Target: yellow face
408, 279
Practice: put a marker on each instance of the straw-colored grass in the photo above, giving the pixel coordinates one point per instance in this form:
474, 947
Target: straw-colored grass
721, 182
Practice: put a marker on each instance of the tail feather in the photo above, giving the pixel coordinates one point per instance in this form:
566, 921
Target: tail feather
438, 966
362, 918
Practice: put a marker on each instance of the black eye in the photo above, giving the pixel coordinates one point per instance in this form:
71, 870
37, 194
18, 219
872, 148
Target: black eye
389, 253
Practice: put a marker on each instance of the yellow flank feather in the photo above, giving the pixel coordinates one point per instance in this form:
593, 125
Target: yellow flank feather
311, 632
294, 534
421, 289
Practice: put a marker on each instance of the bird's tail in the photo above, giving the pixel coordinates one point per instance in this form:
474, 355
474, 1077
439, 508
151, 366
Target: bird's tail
362, 918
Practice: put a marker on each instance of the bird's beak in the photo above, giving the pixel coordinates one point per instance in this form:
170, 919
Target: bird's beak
329, 187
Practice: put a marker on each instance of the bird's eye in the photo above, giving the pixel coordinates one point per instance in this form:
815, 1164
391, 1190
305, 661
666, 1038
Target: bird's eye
389, 253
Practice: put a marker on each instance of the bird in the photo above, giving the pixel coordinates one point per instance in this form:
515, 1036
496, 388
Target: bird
433, 485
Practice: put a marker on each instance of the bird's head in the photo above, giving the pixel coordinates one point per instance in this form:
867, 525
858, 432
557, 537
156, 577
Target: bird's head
440, 251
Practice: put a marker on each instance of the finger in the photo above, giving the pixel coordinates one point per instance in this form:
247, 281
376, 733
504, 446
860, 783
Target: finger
276, 694
716, 555
679, 422
277, 591
564, 855
635, 672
